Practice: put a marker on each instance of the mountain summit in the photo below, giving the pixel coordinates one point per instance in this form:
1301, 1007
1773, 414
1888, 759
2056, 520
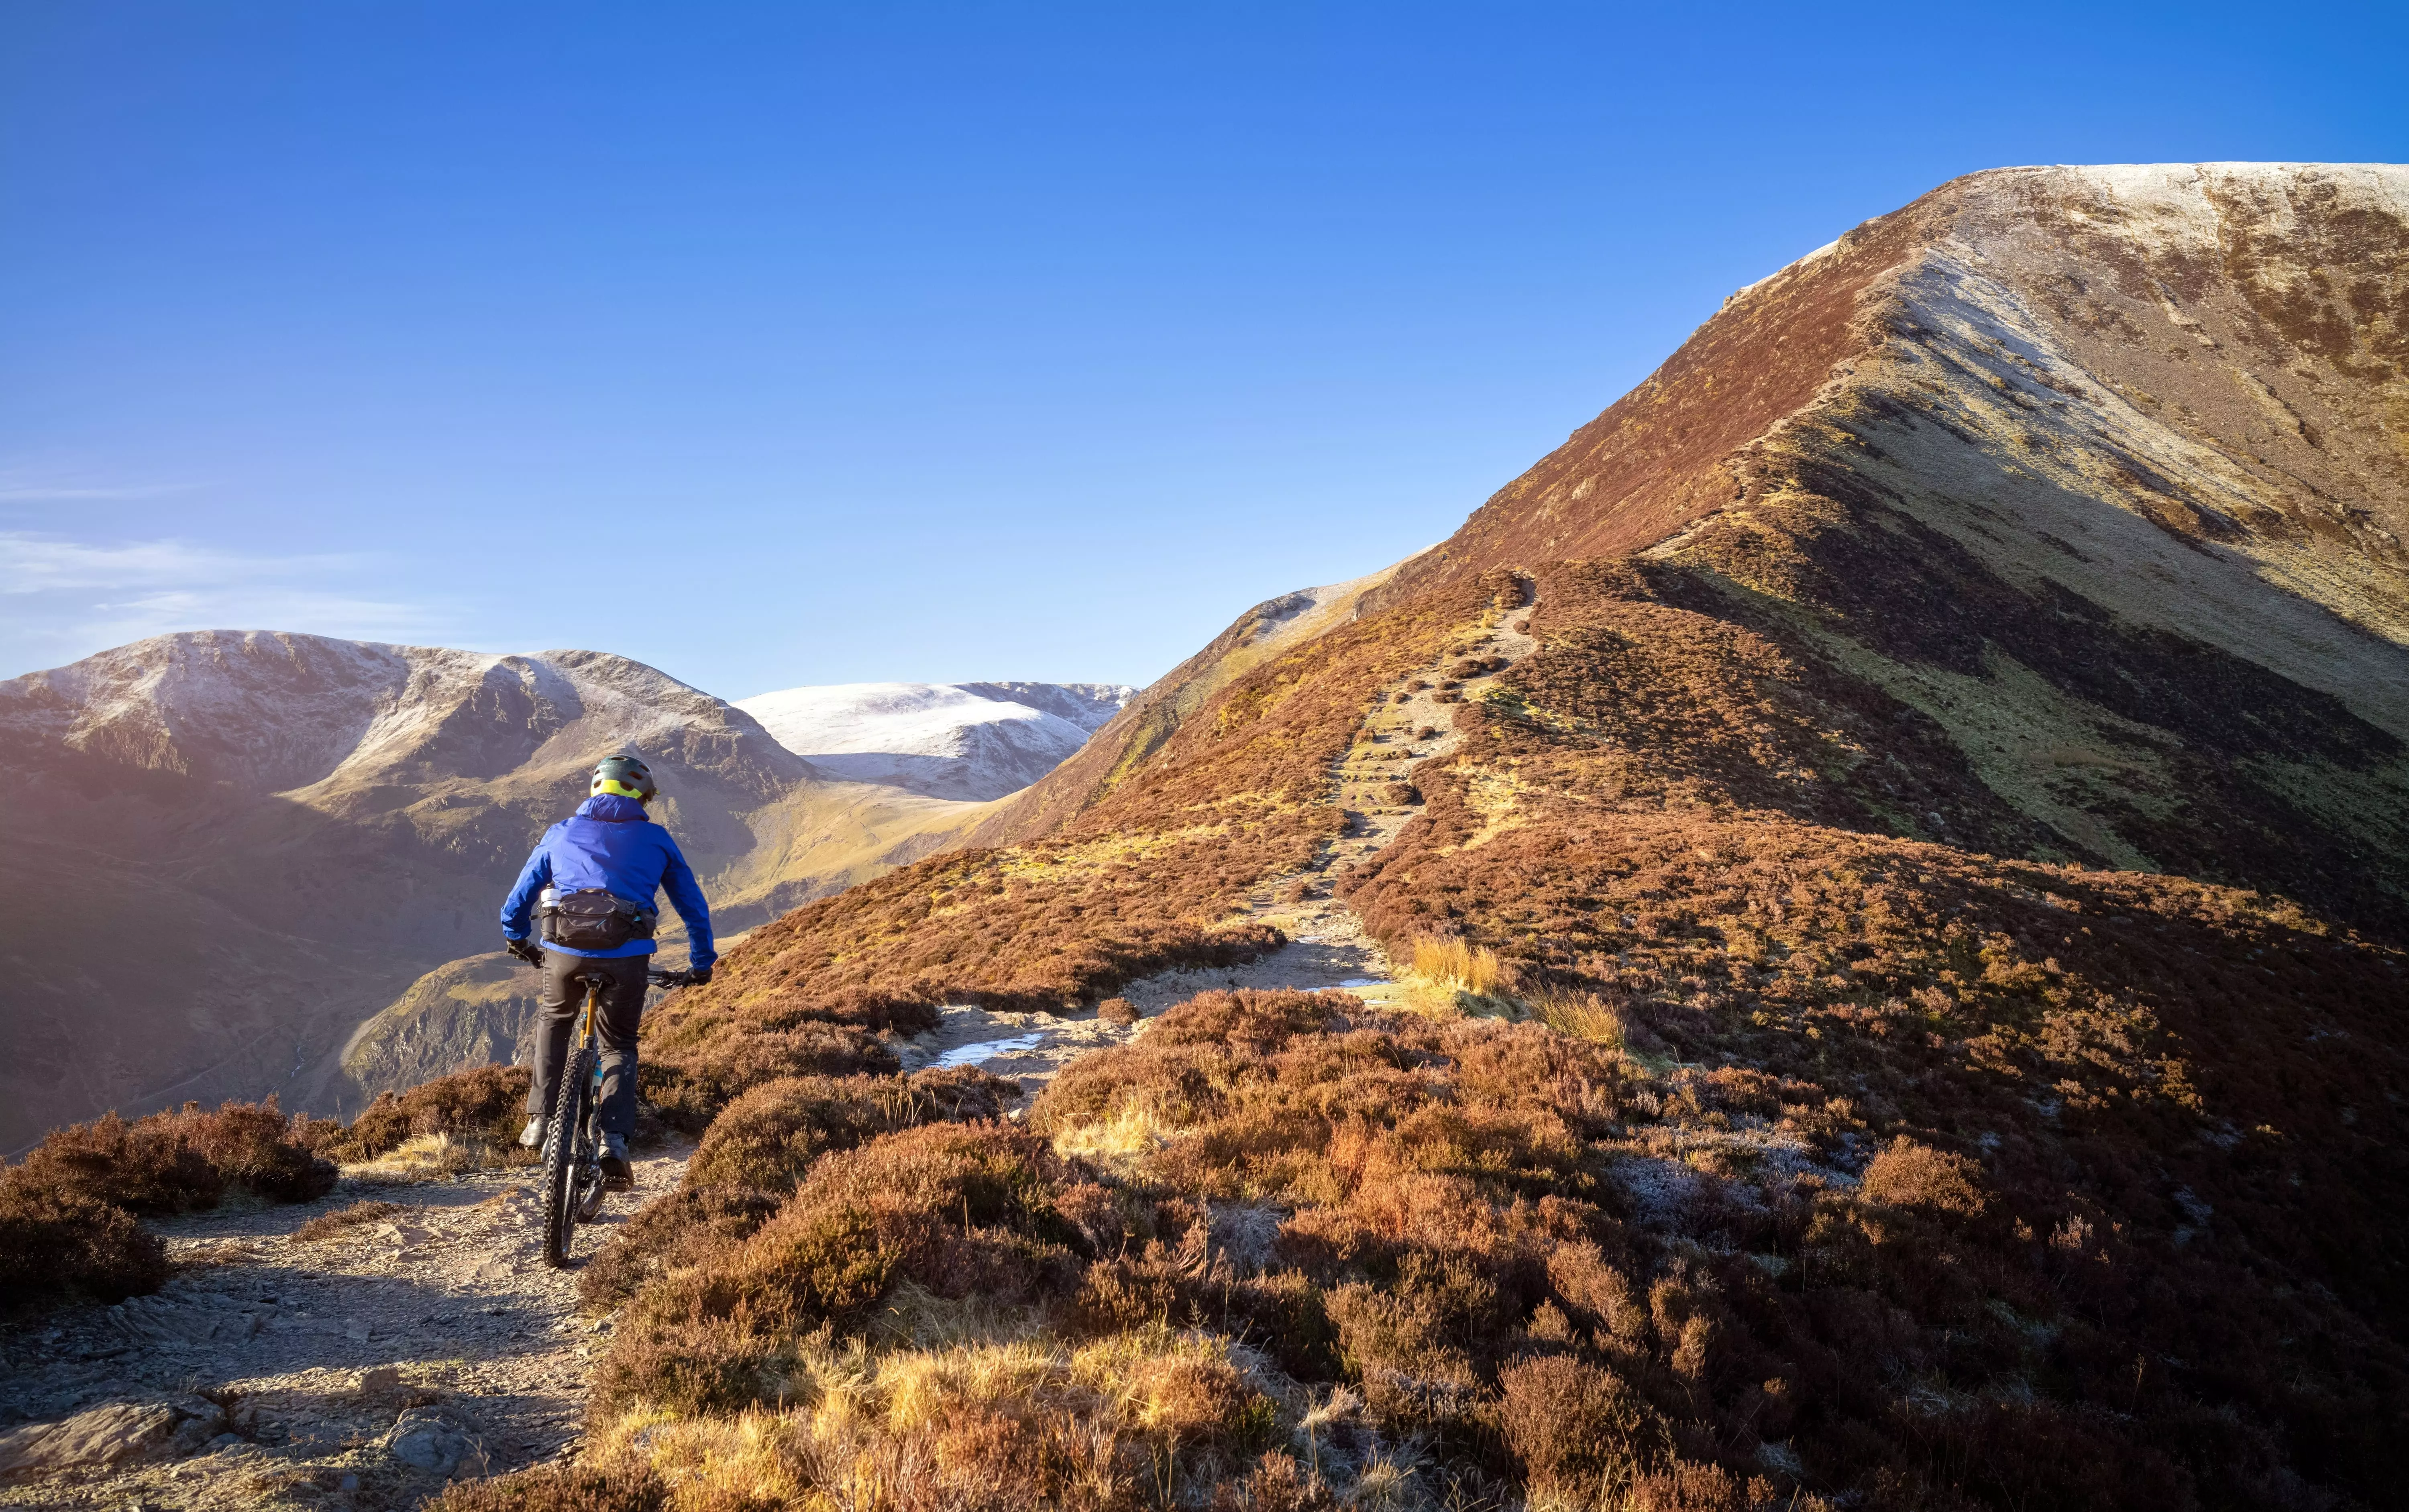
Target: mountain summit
2095, 474
1898, 834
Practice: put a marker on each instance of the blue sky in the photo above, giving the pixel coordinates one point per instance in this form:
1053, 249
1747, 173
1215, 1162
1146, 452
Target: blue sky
784, 343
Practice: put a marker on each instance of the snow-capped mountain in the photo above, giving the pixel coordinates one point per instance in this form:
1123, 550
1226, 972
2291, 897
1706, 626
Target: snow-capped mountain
230, 849
975, 740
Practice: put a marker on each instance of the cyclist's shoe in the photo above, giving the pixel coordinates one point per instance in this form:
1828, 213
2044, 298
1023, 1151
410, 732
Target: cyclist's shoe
532, 1135
617, 1174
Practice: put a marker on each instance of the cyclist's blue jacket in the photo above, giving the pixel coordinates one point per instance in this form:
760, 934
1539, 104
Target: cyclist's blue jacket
608, 843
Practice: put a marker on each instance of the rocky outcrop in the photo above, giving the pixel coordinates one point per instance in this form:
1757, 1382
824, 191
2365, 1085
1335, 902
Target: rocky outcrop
478, 1011
105, 1437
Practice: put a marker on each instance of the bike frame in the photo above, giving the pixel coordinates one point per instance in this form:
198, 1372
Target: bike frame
573, 1141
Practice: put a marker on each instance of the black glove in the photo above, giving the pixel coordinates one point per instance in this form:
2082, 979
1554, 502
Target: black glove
525, 950
697, 976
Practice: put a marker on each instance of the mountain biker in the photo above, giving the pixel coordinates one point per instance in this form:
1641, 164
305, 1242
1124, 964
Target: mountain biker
591, 883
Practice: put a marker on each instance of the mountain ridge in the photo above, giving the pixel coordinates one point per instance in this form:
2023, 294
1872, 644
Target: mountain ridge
293, 828
968, 741
1944, 822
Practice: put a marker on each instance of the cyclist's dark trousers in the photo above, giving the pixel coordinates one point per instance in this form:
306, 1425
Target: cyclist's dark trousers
622, 980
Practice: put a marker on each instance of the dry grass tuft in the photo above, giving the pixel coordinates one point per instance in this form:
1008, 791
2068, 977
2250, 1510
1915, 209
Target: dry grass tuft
1584, 1016
344, 1219
1453, 973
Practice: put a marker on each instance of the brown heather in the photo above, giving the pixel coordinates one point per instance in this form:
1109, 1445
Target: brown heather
756, 1152
484, 1104
1893, 1167
342, 1220
68, 1211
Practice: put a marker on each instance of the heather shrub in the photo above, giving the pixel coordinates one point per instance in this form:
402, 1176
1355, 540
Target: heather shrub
141, 1166
683, 1229
54, 1240
1122, 1013
957, 1210
68, 1211
688, 1083
481, 1104
758, 1149
177, 1161
1912, 1175
769, 1137
1688, 1487
564, 1488
1574, 1428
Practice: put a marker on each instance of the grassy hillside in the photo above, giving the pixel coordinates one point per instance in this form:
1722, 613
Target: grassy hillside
1910, 960
1906, 942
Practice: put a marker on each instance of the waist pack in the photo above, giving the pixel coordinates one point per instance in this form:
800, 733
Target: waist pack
593, 919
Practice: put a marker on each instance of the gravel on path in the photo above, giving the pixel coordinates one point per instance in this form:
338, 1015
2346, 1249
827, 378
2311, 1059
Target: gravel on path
362, 1371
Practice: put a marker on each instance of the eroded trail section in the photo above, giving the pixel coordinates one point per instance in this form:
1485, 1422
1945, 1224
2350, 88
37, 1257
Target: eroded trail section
1375, 783
362, 1370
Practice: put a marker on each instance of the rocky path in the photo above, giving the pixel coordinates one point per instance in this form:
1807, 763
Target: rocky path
1374, 781
361, 1371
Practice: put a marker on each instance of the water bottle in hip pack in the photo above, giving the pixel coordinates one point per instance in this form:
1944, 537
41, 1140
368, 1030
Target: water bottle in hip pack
591, 918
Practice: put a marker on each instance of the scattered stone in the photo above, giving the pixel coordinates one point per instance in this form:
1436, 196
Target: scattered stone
438, 1440
381, 1384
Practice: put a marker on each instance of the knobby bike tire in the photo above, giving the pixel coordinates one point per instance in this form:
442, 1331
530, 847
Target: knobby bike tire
587, 1184
560, 1155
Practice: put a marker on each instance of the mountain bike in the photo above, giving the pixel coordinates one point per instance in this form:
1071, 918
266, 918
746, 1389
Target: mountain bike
573, 1141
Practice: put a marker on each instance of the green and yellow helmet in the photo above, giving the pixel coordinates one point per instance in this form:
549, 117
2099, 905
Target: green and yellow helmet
626, 776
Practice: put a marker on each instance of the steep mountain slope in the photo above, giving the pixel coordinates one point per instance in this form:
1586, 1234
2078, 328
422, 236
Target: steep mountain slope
2079, 465
963, 741
1932, 754
234, 848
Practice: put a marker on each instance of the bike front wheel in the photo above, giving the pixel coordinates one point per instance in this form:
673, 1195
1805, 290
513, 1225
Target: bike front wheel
564, 1158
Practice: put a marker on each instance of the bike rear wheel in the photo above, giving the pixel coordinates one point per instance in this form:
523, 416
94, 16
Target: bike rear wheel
565, 1156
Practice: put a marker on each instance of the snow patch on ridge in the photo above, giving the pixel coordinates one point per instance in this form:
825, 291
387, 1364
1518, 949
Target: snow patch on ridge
976, 741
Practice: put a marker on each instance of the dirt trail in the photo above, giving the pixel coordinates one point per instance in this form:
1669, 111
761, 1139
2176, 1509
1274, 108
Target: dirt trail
240, 1384
1327, 946
366, 1370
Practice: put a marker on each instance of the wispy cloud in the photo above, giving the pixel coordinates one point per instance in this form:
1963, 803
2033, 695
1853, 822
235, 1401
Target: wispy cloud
30, 563
23, 484
61, 598
63, 493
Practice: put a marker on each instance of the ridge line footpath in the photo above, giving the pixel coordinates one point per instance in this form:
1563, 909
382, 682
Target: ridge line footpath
1410, 725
